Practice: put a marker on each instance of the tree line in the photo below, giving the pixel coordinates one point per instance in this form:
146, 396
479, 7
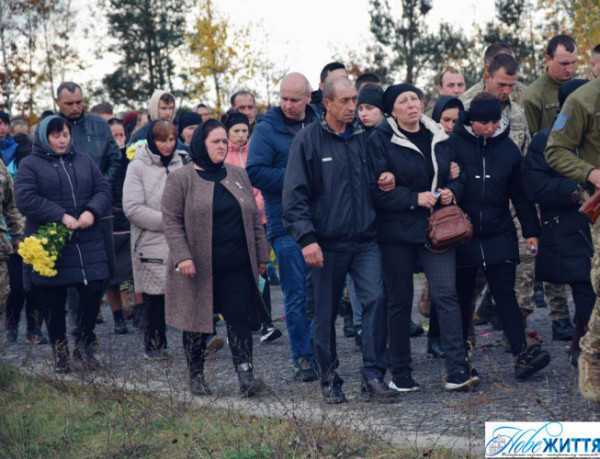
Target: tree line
158, 44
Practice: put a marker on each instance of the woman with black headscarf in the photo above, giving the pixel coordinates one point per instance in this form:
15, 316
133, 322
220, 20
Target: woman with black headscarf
142, 193
217, 251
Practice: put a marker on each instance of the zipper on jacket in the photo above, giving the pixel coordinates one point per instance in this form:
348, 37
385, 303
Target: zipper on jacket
85, 282
482, 197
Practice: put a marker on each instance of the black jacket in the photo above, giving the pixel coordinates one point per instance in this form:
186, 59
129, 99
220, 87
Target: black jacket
493, 178
565, 243
326, 196
47, 186
399, 217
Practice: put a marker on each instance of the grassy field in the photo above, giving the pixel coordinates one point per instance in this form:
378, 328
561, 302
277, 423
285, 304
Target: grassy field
54, 418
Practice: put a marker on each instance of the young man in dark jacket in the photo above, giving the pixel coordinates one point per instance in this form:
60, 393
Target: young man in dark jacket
327, 209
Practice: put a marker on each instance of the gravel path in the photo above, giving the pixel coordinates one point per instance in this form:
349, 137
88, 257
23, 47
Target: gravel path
432, 416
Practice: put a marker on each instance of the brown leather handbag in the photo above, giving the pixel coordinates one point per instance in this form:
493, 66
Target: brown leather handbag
448, 225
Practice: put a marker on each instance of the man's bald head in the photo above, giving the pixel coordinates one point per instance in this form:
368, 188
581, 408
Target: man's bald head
294, 95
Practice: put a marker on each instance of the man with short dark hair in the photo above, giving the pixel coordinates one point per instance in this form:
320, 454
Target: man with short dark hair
366, 78
451, 83
266, 166
490, 52
595, 63
103, 111
330, 70
327, 209
540, 101
244, 102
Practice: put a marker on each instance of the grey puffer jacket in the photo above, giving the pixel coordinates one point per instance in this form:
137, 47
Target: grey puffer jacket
142, 194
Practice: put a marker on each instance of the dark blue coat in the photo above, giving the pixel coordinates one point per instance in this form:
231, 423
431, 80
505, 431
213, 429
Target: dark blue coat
565, 243
8, 153
493, 178
267, 161
47, 186
399, 217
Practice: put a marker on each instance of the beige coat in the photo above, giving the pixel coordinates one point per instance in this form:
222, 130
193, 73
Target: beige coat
142, 193
187, 222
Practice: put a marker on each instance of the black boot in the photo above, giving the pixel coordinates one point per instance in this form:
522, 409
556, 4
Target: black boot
249, 385
61, 359
138, 316
434, 347
120, 327
85, 354
198, 386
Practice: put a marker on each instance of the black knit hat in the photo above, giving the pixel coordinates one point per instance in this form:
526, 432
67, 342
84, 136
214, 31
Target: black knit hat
233, 118
4, 117
189, 119
392, 92
485, 110
567, 88
371, 94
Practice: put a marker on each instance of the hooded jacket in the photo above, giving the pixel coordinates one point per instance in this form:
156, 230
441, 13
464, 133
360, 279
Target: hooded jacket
440, 106
267, 161
142, 132
49, 185
493, 178
326, 191
400, 219
566, 245
142, 193
8, 153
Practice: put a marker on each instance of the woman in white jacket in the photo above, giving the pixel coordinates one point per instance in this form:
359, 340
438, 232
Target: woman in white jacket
142, 194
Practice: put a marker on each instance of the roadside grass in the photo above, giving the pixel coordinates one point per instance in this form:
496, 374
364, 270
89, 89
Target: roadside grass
47, 417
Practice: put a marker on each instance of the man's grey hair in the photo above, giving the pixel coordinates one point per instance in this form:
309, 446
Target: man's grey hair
331, 84
69, 86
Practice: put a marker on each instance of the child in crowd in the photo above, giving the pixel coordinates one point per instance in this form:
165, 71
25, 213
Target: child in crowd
370, 106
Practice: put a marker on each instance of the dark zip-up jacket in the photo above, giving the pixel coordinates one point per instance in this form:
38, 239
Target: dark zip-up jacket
493, 178
399, 217
47, 186
565, 243
268, 154
326, 191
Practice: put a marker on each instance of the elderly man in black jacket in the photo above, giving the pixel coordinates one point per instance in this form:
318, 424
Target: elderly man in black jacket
327, 209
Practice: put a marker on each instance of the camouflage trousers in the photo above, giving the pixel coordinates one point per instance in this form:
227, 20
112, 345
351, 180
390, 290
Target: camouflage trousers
4, 286
590, 343
556, 295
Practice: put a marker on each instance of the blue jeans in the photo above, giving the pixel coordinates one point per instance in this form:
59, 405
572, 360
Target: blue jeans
292, 274
363, 264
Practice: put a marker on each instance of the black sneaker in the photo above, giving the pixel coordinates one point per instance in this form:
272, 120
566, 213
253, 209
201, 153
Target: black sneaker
358, 338
375, 390
415, 329
305, 370
404, 384
62, 364
462, 380
120, 327
333, 395
530, 360
562, 329
434, 347
269, 333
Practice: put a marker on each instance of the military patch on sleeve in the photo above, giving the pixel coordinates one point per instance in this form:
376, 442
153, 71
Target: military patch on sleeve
563, 118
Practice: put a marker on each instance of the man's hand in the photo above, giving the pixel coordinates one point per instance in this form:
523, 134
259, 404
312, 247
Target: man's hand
454, 171
427, 199
594, 178
262, 267
533, 245
187, 268
387, 181
313, 256
86, 220
69, 222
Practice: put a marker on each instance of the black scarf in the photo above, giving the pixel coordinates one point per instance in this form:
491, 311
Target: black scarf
198, 151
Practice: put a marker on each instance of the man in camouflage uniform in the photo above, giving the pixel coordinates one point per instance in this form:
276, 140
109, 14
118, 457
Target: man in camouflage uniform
573, 149
500, 79
540, 101
15, 225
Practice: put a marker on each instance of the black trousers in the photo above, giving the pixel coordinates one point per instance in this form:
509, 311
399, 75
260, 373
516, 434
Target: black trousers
51, 301
155, 336
17, 298
501, 282
584, 299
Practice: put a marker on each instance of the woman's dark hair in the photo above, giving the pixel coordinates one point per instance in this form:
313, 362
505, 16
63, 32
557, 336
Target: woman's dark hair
210, 125
57, 125
114, 121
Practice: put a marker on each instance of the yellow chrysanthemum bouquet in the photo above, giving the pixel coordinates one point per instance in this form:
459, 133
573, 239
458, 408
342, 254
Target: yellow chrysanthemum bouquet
42, 249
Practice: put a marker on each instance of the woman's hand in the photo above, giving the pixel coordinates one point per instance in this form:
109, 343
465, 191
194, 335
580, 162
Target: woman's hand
532, 245
86, 220
69, 222
446, 196
454, 171
427, 199
387, 181
187, 268
262, 267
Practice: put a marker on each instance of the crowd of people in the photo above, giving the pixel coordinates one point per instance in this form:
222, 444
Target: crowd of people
337, 185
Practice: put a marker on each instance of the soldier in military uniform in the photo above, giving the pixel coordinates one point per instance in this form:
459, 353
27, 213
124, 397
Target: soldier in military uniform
15, 225
500, 80
573, 149
540, 100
